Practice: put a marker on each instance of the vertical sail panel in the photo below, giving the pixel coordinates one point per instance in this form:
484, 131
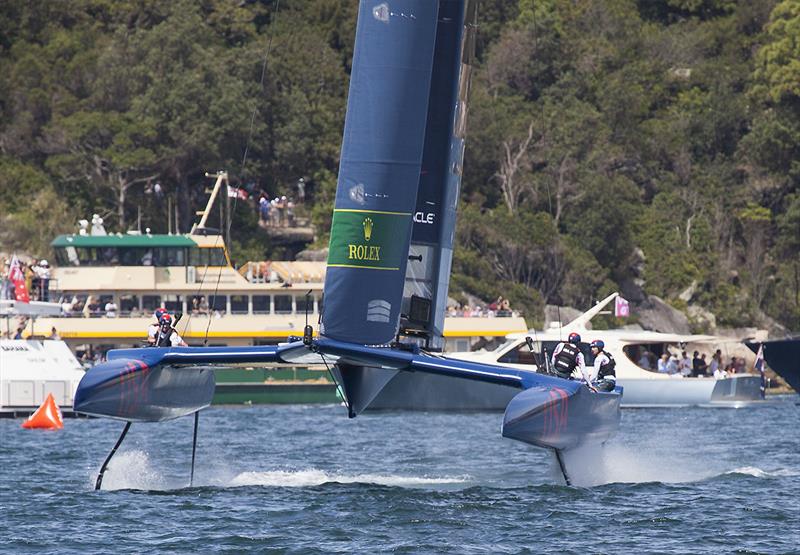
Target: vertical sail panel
431, 251
379, 170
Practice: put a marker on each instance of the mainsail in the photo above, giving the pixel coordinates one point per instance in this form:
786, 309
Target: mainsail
379, 170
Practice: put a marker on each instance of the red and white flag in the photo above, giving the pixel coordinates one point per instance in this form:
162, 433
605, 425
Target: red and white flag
16, 277
621, 308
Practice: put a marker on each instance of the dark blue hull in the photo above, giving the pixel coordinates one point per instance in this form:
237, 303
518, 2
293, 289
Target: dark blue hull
783, 356
129, 389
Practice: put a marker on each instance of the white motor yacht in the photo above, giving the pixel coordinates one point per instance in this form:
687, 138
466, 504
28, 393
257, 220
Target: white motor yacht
635, 353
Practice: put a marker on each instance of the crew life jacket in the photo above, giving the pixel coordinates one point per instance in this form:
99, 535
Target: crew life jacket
607, 368
566, 360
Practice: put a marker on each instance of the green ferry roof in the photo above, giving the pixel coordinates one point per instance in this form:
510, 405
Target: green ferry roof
122, 241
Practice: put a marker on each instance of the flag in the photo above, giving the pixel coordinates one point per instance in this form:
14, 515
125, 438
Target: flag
621, 308
235, 192
16, 277
759, 365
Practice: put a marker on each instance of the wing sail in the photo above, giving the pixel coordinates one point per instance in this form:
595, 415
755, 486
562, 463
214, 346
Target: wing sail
379, 170
431, 251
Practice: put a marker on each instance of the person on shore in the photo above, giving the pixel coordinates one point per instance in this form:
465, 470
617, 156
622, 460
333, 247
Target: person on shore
604, 375
567, 356
167, 335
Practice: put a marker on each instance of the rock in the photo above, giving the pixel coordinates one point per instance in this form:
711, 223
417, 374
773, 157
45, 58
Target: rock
701, 319
687, 294
313, 255
631, 289
567, 314
654, 314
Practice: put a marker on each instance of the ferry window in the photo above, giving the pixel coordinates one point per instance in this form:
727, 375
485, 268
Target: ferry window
151, 302
173, 303
218, 303
172, 257
238, 304
86, 257
304, 302
216, 257
108, 256
283, 304
207, 256
260, 304
128, 304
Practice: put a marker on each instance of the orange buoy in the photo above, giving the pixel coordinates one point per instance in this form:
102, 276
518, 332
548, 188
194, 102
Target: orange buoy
47, 416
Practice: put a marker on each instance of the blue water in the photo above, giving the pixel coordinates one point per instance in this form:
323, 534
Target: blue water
305, 479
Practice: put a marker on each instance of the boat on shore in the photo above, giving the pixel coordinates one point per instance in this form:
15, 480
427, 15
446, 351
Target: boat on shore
642, 386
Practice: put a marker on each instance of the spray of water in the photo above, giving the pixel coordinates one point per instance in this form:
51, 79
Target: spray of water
133, 470
605, 464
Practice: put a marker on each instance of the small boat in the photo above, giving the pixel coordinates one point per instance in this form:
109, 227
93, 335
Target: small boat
32, 369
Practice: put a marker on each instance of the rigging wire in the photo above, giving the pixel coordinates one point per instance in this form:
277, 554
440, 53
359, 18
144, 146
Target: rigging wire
229, 221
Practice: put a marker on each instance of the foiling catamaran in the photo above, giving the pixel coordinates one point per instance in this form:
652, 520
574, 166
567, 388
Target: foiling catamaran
390, 254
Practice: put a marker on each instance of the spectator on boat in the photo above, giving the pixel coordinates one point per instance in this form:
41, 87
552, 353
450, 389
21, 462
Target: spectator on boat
92, 308
567, 357
43, 273
644, 360
704, 364
672, 365
54, 334
685, 365
5, 281
731, 367
719, 373
167, 335
716, 363
111, 309
67, 306
19, 332
152, 329
739, 365
696, 364
604, 375
662, 364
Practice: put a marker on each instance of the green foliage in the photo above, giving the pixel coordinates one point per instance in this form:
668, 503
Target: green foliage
596, 130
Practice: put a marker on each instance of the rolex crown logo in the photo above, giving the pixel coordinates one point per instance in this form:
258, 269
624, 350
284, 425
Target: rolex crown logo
367, 228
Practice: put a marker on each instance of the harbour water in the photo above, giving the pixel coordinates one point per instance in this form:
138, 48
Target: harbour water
305, 479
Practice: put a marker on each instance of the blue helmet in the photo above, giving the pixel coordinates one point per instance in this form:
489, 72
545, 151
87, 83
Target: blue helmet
598, 343
574, 338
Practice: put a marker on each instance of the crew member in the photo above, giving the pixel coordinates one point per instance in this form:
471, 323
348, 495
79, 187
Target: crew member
567, 356
605, 377
167, 336
152, 329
